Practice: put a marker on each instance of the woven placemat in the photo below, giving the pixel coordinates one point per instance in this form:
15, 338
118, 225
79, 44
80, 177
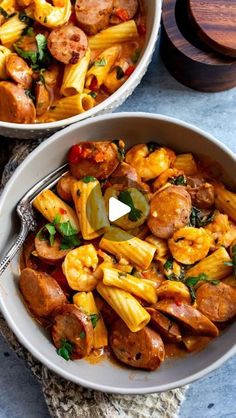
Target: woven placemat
68, 400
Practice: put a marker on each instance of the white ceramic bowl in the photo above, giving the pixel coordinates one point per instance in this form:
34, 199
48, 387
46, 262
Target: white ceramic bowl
42, 130
105, 376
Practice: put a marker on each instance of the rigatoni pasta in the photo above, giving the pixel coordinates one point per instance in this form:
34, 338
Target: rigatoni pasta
69, 106
215, 265
186, 163
74, 76
11, 30
101, 66
123, 32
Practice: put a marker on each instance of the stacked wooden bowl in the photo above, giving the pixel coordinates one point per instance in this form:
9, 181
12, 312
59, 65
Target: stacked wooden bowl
198, 44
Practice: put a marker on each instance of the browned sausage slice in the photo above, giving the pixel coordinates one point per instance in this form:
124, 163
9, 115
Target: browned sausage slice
170, 210
93, 15
41, 292
97, 159
165, 326
42, 98
50, 254
15, 105
64, 187
143, 349
190, 317
19, 70
126, 175
74, 326
201, 192
67, 44
217, 302
130, 7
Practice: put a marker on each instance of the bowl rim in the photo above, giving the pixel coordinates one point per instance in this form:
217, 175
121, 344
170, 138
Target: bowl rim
23, 340
107, 103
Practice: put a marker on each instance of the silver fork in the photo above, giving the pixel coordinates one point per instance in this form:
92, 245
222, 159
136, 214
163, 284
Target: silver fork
25, 211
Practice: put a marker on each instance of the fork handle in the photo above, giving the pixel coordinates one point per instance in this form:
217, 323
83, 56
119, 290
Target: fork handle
14, 248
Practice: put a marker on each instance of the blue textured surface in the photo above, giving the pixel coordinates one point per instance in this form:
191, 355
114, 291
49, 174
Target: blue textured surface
213, 396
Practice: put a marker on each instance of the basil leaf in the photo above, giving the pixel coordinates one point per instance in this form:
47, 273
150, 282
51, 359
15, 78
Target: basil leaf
168, 264
65, 349
66, 229
101, 63
125, 197
69, 242
198, 220
178, 181
88, 179
26, 19
94, 318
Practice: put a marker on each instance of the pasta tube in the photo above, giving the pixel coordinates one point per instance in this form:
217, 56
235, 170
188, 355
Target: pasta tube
138, 287
225, 201
160, 244
102, 66
126, 306
52, 15
186, 163
79, 266
86, 303
3, 54
74, 76
124, 32
51, 206
69, 106
120, 243
11, 30
213, 266
8, 6
90, 207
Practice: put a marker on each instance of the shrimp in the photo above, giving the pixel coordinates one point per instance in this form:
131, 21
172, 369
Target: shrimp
166, 176
172, 289
189, 245
79, 266
221, 230
149, 164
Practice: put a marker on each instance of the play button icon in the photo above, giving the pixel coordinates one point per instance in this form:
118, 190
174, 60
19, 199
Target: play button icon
117, 209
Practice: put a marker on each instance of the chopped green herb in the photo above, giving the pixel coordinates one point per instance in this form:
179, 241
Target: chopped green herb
178, 181
65, 349
4, 13
88, 179
232, 263
121, 150
78, 193
101, 63
152, 146
57, 219
93, 94
26, 19
29, 94
82, 335
94, 318
198, 220
191, 282
122, 275
28, 31
136, 55
119, 72
47, 232
69, 242
168, 264
38, 59
66, 229
125, 197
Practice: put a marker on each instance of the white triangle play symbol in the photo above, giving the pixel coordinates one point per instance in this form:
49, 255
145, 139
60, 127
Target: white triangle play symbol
117, 209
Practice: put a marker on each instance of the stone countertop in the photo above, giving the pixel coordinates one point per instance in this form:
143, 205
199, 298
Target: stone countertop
213, 396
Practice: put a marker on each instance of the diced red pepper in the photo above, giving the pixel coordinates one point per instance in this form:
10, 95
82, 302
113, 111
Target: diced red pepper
178, 302
75, 154
59, 276
122, 14
62, 211
129, 70
142, 29
94, 84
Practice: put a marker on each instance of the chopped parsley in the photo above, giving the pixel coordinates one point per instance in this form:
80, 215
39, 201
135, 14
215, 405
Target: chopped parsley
70, 242
26, 19
125, 197
65, 349
29, 94
136, 55
28, 31
88, 179
70, 237
119, 72
38, 59
101, 63
94, 318
178, 181
121, 149
47, 232
168, 264
93, 94
198, 220
232, 263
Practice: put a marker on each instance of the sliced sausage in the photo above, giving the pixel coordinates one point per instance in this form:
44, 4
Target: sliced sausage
74, 326
203, 195
64, 187
93, 15
217, 302
170, 210
50, 254
190, 317
128, 7
168, 329
41, 292
15, 105
97, 159
19, 70
126, 175
143, 349
42, 98
60, 278
67, 44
